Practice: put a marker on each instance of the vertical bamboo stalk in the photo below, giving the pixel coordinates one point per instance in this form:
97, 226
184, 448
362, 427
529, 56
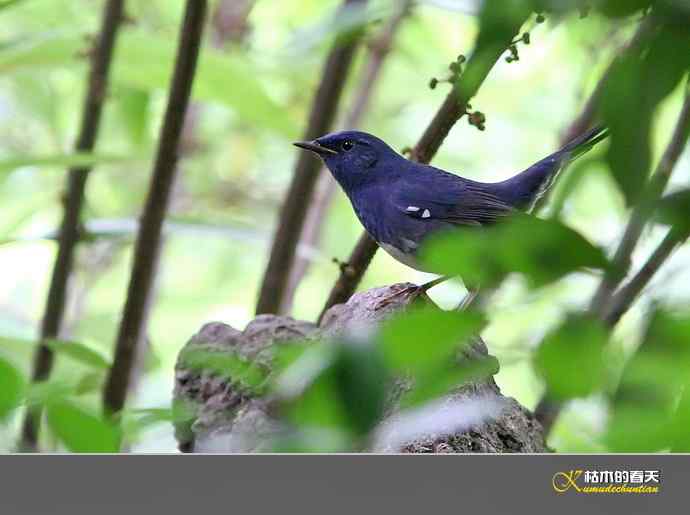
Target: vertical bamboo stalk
69, 232
326, 186
293, 212
149, 236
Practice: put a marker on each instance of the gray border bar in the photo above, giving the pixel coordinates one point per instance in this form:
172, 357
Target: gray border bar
348, 484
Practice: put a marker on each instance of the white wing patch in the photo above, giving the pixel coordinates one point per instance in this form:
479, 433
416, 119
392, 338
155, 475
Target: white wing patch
412, 209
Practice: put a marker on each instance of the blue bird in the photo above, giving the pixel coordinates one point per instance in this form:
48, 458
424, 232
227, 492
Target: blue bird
400, 202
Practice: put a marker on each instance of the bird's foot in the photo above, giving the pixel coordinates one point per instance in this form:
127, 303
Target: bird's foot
468, 300
411, 293
405, 295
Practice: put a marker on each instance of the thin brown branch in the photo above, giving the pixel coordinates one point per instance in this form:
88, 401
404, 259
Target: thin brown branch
69, 232
611, 307
293, 212
453, 108
589, 114
640, 215
148, 239
624, 298
351, 273
326, 186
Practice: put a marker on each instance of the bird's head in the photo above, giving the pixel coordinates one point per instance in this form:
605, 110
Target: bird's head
351, 156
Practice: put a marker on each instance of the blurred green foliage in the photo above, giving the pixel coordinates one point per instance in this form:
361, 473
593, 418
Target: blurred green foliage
542, 250
251, 99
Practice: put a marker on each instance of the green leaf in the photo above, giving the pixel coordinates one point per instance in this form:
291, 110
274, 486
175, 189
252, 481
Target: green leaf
439, 382
646, 412
467, 252
420, 339
634, 429
12, 386
144, 61
319, 405
639, 80
663, 358
182, 415
680, 436
570, 358
499, 22
348, 394
542, 250
89, 383
361, 379
62, 161
674, 210
233, 367
4, 4
347, 22
44, 51
133, 106
79, 352
621, 8
46, 392
81, 431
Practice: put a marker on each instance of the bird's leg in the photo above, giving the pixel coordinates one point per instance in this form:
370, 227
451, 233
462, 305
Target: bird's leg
427, 286
468, 299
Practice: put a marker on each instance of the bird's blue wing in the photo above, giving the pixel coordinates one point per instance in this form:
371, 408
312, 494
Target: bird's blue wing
441, 197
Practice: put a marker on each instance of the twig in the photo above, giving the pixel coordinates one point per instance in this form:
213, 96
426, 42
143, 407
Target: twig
452, 109
326, 186
640, 215
351, 274
69, 233
625, 297
294, 209
589, 113
610, 308
148, 239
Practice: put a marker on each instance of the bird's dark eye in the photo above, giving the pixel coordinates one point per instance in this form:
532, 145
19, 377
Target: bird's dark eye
347, 145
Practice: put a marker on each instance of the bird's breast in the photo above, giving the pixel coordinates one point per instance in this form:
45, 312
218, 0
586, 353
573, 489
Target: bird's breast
406, 258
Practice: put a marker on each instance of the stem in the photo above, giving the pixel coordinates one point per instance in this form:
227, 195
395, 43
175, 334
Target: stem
351, 273
452, 109
611, 307
589, 113
294, 209
69, 232
626, 296
148, 239
326, 185
642, 211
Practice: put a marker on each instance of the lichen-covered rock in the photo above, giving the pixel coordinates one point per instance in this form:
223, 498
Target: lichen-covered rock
226, 418
217, 405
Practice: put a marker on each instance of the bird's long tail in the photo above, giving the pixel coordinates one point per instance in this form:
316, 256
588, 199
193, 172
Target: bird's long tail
524, 189
584, 143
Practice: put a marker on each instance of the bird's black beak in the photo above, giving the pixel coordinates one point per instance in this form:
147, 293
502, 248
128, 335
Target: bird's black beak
314, 146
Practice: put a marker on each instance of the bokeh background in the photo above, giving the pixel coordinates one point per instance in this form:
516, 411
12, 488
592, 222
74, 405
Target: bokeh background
251, 100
